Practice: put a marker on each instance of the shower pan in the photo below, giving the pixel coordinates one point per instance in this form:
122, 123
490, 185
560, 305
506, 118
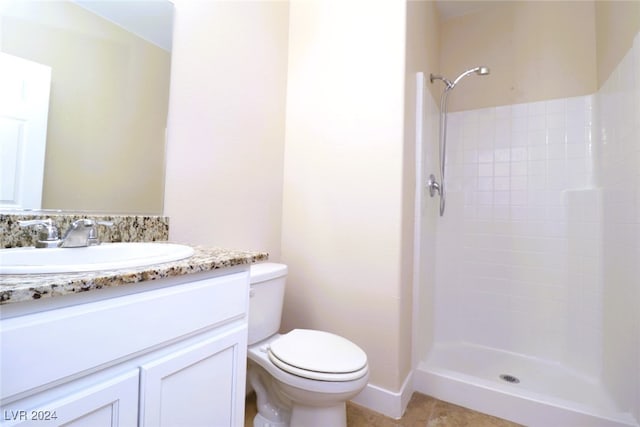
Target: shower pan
432, 184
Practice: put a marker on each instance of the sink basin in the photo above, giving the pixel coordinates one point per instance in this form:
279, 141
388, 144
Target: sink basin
107, 256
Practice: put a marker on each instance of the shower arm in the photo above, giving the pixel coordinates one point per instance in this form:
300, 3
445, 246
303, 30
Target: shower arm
433, 77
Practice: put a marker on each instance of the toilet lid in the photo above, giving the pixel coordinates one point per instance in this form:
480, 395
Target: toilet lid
320, 352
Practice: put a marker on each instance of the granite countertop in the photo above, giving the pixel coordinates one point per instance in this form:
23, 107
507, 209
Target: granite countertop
27, 287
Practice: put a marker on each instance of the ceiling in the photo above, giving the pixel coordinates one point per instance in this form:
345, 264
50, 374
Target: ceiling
151, 20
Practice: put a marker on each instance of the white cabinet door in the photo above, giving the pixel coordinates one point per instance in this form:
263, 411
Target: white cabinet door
200, 385
110, 402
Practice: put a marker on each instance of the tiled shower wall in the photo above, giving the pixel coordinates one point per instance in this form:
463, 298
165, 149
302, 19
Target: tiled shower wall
504, 263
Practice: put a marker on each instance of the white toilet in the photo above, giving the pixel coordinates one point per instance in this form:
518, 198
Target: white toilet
305, 377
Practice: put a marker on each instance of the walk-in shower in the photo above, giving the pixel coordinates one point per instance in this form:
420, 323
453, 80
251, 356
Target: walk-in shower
432, 184
525, 293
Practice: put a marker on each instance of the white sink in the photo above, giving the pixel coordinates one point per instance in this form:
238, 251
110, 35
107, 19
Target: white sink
107, 256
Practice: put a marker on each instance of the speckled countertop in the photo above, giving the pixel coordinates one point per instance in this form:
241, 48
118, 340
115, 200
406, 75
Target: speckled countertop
27, 287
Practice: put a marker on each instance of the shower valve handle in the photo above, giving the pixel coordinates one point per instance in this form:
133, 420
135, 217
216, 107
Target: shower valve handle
433, 186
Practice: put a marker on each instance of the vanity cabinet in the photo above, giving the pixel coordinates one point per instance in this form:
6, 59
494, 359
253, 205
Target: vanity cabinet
171, 353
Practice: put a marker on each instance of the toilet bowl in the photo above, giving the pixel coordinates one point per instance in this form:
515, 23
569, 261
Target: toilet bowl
303, 377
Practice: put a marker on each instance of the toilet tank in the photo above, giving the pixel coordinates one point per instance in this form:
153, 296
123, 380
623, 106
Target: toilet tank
266, 298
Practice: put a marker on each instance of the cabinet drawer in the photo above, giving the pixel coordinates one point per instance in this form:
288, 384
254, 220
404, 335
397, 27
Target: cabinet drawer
45, 347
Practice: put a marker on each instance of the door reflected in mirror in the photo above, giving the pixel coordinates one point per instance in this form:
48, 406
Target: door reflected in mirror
108, 103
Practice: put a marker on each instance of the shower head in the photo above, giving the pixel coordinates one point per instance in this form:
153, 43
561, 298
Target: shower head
481, 71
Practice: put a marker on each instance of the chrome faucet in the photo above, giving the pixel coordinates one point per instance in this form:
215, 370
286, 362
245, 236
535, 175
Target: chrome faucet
82, 233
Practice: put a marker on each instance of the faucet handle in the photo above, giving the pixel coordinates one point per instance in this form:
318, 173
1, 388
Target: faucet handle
94, 238
47, 232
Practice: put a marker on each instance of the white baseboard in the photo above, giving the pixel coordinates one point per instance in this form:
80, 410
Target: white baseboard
389, 403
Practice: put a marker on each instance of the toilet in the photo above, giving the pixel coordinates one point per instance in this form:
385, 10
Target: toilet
303, 377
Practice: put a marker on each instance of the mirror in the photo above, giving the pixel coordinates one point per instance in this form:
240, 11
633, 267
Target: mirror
108, 101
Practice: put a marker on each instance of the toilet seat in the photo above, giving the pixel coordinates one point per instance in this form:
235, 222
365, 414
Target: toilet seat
318, 355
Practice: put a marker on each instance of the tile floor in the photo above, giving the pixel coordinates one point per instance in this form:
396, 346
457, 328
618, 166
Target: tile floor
422, 411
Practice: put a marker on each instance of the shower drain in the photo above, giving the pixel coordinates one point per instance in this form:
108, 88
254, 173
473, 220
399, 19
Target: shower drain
509, 378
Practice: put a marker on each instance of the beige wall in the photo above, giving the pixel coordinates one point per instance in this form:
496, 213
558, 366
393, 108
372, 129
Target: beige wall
226, 124
617, 23
343, 177
108, 107
348, 197
536, 51
423, 41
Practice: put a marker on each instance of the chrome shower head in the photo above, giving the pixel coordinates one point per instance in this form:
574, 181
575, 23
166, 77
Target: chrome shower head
481, 71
